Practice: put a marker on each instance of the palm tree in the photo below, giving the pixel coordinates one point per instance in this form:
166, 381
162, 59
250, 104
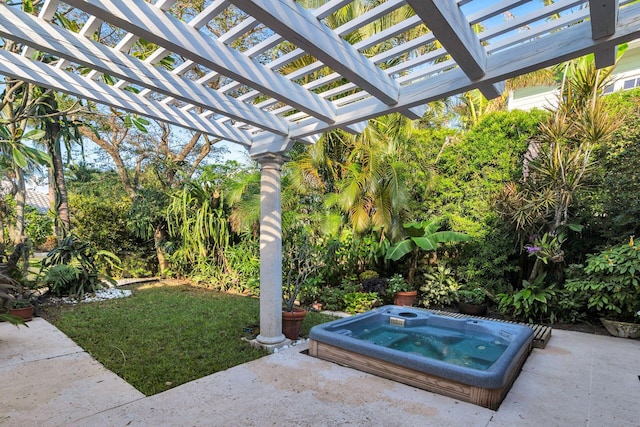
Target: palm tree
371, 190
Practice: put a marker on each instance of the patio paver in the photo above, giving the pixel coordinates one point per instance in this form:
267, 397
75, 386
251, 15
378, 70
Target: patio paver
578, 380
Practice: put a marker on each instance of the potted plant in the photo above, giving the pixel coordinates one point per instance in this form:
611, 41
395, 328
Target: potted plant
7, 289
472, 301
610, 286
21, 308
403, 293
300, 263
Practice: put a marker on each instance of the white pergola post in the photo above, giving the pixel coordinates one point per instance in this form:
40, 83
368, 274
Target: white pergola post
270, 250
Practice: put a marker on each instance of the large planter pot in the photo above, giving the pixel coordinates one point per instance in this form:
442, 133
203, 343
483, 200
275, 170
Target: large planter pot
292, 322
621, 329
25, 313
472, 309
405, 298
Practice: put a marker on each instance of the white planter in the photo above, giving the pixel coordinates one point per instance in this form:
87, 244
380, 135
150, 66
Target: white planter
621, 329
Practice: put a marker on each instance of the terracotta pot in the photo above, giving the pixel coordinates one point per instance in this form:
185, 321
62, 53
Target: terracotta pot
26, 313
621, 329
405, 298
472, 309
292, 322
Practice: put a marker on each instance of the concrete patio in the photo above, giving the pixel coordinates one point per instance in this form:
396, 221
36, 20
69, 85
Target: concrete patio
47, 380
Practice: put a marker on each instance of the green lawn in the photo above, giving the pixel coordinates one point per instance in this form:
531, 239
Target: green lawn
166, 334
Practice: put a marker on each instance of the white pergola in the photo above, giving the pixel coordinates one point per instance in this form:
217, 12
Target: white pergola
424, 56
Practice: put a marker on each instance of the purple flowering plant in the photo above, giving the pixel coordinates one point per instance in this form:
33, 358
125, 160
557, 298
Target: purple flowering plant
546, 248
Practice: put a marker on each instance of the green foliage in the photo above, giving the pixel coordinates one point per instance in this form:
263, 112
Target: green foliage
610, 211
348, 254
535, 302
103, 222
39, 226
333, 298
487, 260
359, 302
396, 283
369, 274
610, 282
72, 251
423, 235
147, 213
475, 296
243, 260
19, 303
439, 287
196, 217
14, 320
547, 248
64, 279
474, 167
300, 264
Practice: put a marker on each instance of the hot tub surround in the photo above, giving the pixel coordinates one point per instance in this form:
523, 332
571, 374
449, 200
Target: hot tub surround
478, 373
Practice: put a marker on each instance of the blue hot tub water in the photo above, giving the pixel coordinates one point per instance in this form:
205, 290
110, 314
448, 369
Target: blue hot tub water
447, 345
477, 352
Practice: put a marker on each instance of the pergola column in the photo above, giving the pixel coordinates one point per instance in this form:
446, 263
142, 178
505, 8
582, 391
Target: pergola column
270, 250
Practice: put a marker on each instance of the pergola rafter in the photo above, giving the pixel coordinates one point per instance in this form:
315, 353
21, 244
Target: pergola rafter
258, 96
281, 74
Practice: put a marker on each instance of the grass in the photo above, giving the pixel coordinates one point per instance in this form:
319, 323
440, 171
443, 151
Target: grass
166, 334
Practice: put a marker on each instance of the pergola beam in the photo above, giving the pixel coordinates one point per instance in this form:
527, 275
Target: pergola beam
148, 22
604, 18
299, 26
453, 31
20, 68
72, 47
568, 44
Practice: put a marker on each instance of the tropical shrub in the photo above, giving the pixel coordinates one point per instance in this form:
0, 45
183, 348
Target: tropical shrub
474, 167
610, 282
396, 283
243, 261
610, 211
424, 235
300, 263
439, 287
535, 302
103, 223
475, 296
64, 279
359, 302
377, 285
39, 226
489, 260
333, 297
71, 251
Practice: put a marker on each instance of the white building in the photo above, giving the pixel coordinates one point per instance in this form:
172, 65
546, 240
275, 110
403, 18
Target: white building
625, 76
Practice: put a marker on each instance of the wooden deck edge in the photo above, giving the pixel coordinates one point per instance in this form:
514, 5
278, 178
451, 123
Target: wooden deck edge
489, 398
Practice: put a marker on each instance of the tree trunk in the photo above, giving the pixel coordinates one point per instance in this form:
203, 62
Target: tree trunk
158, 238
537, 269
61, 188
57, 182
19, 234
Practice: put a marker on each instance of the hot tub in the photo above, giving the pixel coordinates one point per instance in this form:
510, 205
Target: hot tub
475, 360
